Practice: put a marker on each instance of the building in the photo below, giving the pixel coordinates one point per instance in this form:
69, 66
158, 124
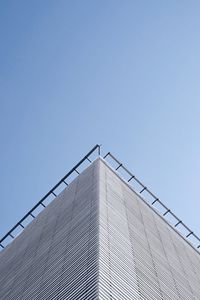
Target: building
98, 239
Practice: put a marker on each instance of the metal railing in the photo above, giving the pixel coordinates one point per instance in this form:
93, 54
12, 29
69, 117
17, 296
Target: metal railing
32, 213
177, 223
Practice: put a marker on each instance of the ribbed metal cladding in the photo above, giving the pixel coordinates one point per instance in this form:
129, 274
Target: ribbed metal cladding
99, 240
141, 256
56, 256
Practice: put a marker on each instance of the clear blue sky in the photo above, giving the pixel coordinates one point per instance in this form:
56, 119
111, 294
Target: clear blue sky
125, 74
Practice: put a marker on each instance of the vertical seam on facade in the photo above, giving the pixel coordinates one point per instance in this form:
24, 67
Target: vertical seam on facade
98, 222
178, 293
181, 264
109, 252
67, 240
89, 228
133, 253
196, 275
35, 254
50, 248
153, 262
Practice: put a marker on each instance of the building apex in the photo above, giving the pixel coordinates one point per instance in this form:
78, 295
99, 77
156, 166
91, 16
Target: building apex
128, 177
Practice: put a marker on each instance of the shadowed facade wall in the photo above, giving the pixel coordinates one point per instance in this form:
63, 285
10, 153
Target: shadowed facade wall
56, 256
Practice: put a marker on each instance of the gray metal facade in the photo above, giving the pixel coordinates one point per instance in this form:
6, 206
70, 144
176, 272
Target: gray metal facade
141, 256
99, 240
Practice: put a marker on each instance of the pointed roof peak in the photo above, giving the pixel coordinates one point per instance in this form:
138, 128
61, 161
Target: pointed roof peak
128, 177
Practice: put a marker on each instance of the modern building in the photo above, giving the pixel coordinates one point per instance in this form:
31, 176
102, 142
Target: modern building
98, 239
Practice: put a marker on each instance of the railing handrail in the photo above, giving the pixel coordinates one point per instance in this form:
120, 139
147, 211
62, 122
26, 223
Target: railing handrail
40, 202
156, 199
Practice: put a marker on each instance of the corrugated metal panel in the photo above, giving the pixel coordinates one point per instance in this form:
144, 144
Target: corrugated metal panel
141, 256
56, 256
99, 240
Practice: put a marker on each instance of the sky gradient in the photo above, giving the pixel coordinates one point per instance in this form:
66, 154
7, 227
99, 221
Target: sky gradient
124, 74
